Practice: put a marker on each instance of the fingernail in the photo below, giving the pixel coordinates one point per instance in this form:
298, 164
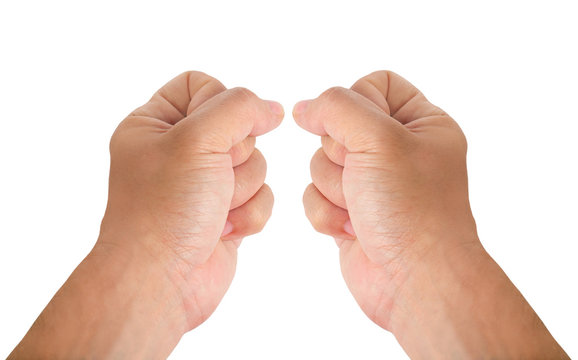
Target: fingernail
276, 108
227, 229
300, 107
348, 228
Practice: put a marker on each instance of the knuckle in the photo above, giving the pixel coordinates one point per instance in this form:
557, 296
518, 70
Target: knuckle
318, 222
334, 95
242, 151
198, 76
118, 137
462, 140
268, 194
457, 134
243, 101
199, 81
257, 216
194, 73
242, 95
314, 214
248, 143
308, 194
258, 156
256, 220
114, 140
381, 74
315, 159
376, 77
256, 166
333, 149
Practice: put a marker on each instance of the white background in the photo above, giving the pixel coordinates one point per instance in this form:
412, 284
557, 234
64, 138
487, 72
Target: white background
506, 71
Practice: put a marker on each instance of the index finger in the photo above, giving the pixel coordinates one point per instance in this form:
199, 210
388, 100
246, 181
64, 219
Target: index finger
396, 96
180, 96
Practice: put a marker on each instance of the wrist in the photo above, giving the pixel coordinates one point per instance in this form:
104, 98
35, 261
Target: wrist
432, 273
427, 259
147, 247
143, 291
118, 301
456, 300
143, 267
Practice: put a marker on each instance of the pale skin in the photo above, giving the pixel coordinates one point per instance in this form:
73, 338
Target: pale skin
390, 185
187, 185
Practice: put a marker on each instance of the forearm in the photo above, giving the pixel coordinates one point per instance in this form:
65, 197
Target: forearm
114, 305
460, 304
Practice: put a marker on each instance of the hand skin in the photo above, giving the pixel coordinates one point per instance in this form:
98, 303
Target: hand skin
186, 185
390, 185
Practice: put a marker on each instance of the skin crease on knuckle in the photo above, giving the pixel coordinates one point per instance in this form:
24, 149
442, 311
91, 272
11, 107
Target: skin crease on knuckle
334, 96
258, 215
244, 98
249, 177
253, 215
326, 176
241, 152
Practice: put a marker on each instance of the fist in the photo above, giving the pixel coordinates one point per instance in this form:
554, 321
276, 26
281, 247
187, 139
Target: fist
389, 181
187, 184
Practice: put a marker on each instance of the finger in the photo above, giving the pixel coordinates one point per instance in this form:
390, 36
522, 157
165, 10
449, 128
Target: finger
251, 217
227, 119
349, 118
180, 96
241, 151
249, 177
326, 217
334, 150
327, 177
368, 87
396, 96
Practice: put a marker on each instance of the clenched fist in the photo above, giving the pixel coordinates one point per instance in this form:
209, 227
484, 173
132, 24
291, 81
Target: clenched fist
388, 182
186, 178
186, 185
390, 185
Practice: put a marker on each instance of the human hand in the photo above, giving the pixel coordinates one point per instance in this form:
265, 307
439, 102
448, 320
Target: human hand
187, 184
388, 182
390, 185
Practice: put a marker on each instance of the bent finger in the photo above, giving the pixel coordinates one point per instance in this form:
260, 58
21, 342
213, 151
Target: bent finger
396, 96
227, 119
327, 177
251, 217
334, 150
180, 96
241, 151
326, 217
349, 118
249, 177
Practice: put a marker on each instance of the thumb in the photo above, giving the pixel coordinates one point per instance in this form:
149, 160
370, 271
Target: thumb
227, 119
349, 118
